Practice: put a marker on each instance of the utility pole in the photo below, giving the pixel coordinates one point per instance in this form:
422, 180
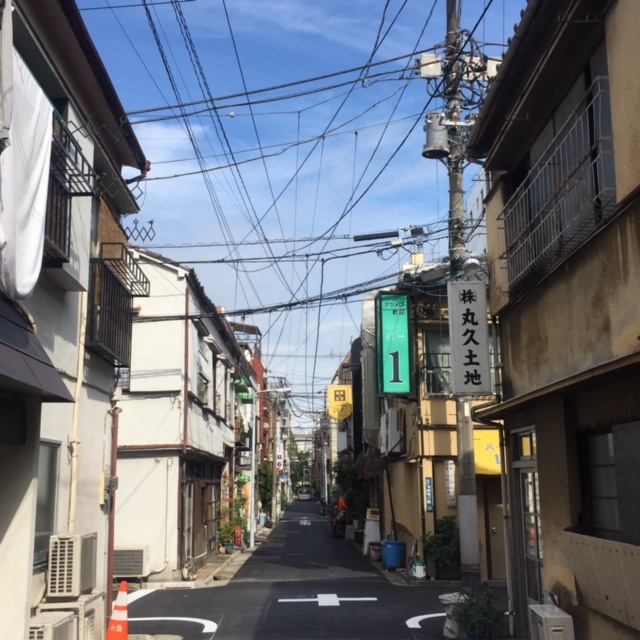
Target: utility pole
464, 79
467, 500
274, 443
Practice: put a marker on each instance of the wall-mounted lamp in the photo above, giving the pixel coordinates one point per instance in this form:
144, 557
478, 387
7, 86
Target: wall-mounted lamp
470, 267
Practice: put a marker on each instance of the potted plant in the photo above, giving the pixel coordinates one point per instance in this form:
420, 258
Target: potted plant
226, 534
443, 546
480, 614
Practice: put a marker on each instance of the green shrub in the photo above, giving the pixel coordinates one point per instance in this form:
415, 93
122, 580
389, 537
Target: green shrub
443, 546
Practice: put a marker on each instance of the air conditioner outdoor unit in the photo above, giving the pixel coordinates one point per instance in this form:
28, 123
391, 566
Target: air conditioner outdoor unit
131, 562
395, 431
72, 564
88, 610
548, 622
53, 625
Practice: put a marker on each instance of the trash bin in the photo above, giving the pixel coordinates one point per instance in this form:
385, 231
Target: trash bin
394, 556
375, 551
383, 552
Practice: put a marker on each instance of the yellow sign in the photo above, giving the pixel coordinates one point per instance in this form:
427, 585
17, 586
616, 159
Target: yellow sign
487, 451
340, 401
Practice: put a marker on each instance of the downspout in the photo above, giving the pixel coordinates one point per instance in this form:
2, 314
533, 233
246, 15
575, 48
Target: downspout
185, 434
185, 408
423, 509
393, 513
73, 438
115, 424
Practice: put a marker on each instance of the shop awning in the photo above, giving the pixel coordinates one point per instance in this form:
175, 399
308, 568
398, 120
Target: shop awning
487, 451
24, 364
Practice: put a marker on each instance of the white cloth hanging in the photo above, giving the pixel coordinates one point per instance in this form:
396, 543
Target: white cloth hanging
24, 179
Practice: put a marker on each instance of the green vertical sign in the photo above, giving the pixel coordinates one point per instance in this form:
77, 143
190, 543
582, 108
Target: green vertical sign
393, 336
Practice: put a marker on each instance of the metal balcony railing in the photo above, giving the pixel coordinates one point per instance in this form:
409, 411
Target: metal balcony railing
68, 164
57, 229
110, 316
70, 174
121, 261
566, 195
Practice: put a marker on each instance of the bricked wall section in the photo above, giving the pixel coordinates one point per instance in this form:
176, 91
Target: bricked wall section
109, 229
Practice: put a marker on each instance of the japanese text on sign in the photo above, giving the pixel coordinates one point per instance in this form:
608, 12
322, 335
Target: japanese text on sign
468, 329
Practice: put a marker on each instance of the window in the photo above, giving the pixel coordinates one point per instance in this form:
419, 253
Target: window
603, 494
610, 477
436, 368
437, 362
46, 501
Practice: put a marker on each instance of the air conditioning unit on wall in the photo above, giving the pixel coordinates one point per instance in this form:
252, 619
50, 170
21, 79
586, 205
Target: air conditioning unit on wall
88, 611
131, 562
548, 622
72, 564
53, 625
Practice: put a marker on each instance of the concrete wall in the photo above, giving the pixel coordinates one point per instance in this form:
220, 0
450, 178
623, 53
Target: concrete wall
584, 316
147, 510
623, 49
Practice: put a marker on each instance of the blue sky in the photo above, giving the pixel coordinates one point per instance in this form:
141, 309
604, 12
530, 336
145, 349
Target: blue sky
315, 162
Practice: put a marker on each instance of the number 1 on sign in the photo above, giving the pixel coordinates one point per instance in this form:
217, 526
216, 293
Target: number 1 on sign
395, 362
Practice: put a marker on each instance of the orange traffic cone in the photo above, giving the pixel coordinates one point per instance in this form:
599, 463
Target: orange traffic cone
118, 628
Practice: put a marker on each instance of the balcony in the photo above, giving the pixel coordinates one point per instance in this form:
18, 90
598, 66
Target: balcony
115, 279
70, 174
121, 261
566, 196
110, 316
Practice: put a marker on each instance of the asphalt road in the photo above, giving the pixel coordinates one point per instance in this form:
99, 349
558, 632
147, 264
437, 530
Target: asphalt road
299, 584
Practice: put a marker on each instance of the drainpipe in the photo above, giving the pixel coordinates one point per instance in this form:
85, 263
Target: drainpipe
115, 424
73, 438
423, 509
185, 408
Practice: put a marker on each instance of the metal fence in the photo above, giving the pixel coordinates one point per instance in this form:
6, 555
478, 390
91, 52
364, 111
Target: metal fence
566, 195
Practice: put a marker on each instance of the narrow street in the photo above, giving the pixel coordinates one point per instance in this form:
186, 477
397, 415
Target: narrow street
300, 583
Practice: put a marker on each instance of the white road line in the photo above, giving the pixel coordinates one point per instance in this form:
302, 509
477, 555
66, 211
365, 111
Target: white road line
305, 522
328, 600
414, 623
208, 626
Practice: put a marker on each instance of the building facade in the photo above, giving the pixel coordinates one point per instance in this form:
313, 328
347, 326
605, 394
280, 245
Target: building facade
187, 403
559, 137
68, 282
416, 436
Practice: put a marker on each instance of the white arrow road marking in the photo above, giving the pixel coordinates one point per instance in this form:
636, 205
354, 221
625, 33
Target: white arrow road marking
328, 600
305, 522
208, 626
414, 623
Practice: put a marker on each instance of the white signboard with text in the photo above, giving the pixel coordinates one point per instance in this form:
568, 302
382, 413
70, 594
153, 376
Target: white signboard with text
469, 335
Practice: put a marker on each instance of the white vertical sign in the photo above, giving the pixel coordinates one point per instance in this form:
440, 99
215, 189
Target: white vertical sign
450, 482
469, 335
